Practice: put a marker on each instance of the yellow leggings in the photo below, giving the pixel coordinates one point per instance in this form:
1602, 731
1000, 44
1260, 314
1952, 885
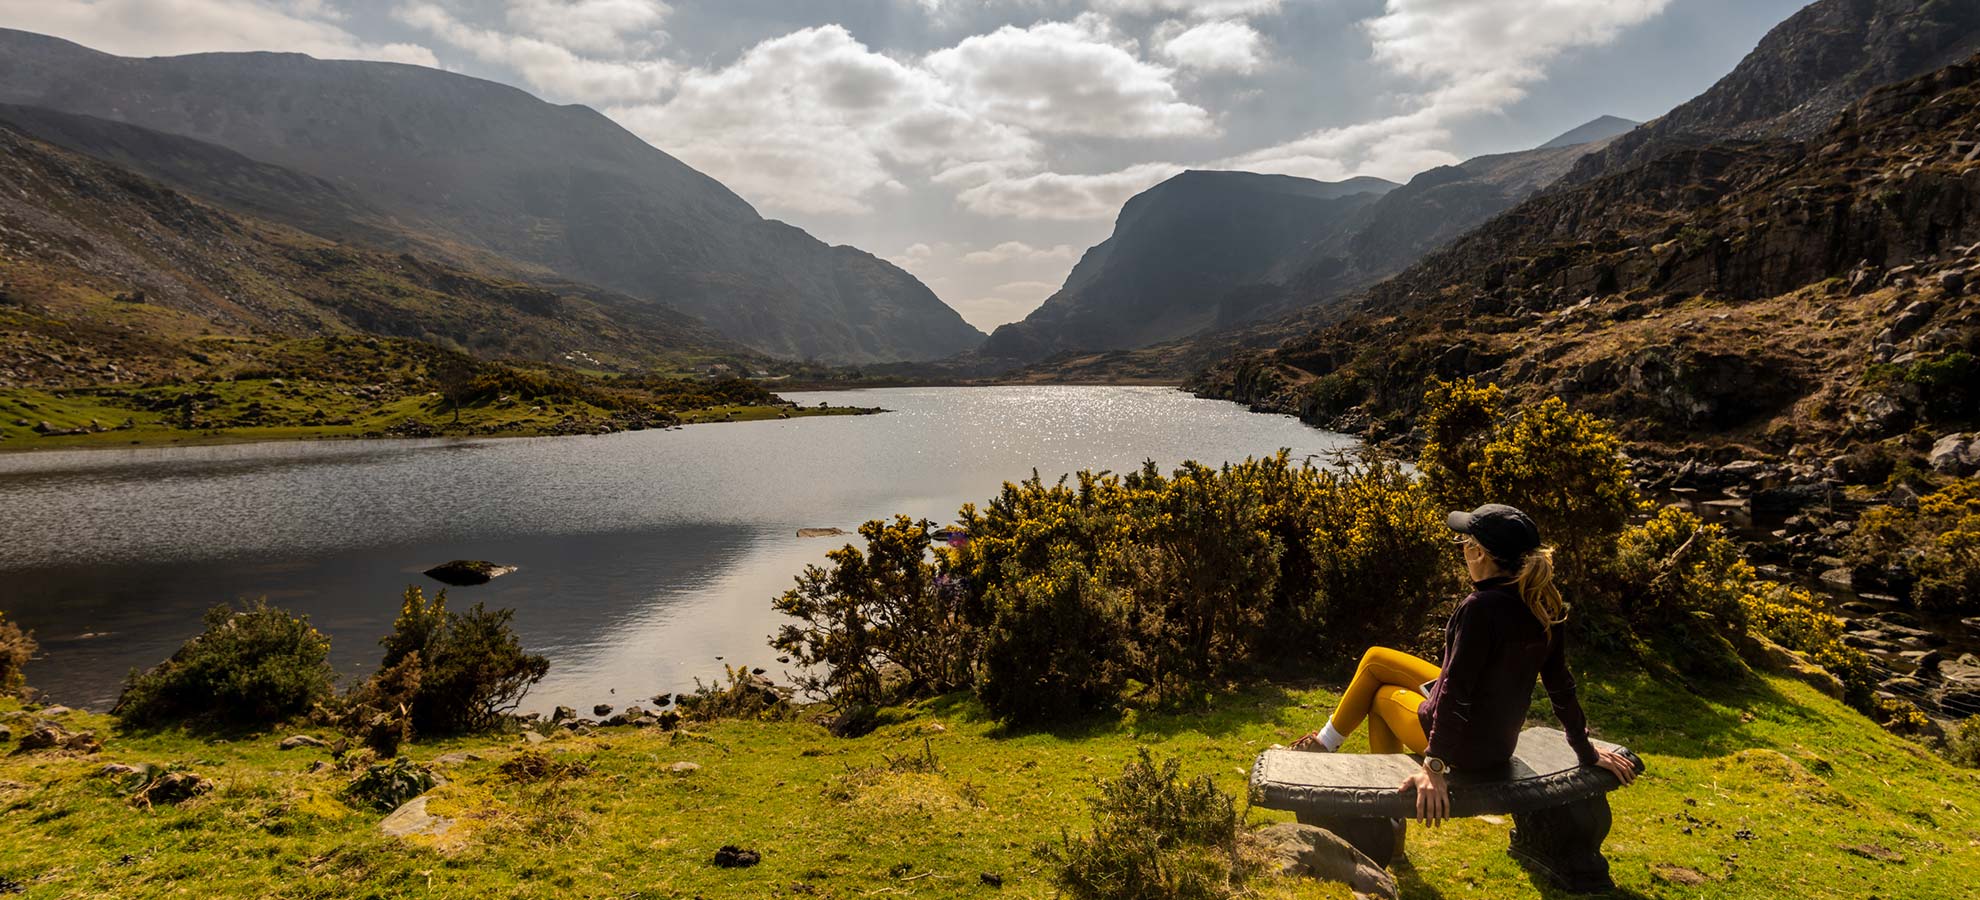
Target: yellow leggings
1389, 684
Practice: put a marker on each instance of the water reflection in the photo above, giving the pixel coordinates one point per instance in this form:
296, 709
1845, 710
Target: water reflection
643, 557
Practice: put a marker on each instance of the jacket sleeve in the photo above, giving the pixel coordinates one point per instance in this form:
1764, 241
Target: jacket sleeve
1450, 720
1554, 675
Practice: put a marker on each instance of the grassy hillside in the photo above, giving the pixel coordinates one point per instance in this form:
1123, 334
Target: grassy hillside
1760, 789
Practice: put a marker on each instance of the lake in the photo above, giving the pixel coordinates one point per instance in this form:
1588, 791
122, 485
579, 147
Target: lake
645, 559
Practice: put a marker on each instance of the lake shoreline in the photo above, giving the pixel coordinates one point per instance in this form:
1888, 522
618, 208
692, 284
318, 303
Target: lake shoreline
153, 438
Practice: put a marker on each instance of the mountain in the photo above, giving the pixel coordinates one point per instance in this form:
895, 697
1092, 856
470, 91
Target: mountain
473, 170
1598, 129
1773, 294
110, 276
1207, 253
1193, 252
1803, 73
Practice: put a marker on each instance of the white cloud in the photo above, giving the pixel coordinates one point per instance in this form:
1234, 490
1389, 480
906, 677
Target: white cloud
173, 27
1051, 195
1017, 251
1475, 57
815, 121
1219, 46
601, 27
554, 69
1069, 78
1202, 9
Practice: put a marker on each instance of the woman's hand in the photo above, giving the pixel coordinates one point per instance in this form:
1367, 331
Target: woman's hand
1617, 764
1433, 796
1310, 743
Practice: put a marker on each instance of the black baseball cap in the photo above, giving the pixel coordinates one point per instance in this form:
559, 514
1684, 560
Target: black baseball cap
1503, 531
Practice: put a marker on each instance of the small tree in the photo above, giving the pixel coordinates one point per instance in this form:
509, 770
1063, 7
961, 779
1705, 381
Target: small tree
453, 672
453, 375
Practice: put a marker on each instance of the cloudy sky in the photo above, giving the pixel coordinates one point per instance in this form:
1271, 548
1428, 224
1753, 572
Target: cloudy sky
984, 144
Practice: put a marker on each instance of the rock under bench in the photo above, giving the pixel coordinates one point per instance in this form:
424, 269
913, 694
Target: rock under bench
1560, 808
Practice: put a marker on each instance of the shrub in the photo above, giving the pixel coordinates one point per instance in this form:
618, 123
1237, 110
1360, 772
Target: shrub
888, 605
746, 696
452, 672
16, 648
1563, 468
258, 666
1381, 559
386, 786
1057, 645
1681, 583
1155, 836
1796, 619
1962, 744
1932, 553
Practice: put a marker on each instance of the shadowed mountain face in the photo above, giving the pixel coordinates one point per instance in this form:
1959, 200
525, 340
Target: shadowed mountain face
1803, 73
1196, 251
1209, 251
478, 170
76, 232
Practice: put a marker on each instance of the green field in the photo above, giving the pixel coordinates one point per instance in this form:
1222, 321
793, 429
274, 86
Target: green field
1766, 789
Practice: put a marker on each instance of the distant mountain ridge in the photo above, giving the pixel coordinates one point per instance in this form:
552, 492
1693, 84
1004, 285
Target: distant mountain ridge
452, 164
102, 262
1195, 251
1210, 251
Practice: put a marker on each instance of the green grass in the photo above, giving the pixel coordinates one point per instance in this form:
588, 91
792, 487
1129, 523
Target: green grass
293, 409
1761, 789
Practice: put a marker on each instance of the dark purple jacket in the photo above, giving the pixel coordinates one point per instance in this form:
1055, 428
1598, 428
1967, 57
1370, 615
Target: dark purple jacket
1494, 647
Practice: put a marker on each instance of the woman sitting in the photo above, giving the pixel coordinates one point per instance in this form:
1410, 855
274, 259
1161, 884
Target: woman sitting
1467, 713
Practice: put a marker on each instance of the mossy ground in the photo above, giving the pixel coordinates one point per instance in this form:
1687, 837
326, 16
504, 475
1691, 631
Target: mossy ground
1763, 789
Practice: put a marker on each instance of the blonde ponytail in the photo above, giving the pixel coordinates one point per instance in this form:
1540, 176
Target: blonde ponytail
1536, 587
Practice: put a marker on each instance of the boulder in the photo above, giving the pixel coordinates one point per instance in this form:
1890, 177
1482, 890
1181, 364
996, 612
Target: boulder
562, 713
118, 770
50, 736
602, 710
172, 789
465, 572
296, 741
413, 819
1955, 454
684, 768
1308, 851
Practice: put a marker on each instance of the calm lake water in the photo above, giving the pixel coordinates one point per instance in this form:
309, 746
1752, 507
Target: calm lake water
644, 558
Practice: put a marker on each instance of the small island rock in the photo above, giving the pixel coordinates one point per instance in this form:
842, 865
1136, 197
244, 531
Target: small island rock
466, 572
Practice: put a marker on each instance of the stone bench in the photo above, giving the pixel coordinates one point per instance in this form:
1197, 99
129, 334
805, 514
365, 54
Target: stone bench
1560, 809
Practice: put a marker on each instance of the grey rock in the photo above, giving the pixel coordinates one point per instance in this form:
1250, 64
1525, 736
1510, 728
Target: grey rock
1307, 851
562, 713
602, 710
412, 818
1955, 454
295, 741
456, 758
684, 768
118, 770
532, 737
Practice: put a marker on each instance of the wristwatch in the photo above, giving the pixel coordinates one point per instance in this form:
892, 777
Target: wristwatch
1436, 766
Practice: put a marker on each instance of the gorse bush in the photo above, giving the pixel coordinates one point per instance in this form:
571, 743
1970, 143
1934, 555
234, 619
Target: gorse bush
1065, 594
1155, 835
1563, 468
1931, 553
451, 672
1680, 582
1796, 619
886, 606
16, 648
258, 666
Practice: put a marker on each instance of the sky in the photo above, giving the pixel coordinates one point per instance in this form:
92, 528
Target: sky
984, 144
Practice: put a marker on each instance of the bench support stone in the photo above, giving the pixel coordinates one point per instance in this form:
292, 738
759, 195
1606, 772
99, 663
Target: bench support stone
1378, 839
1564, 844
